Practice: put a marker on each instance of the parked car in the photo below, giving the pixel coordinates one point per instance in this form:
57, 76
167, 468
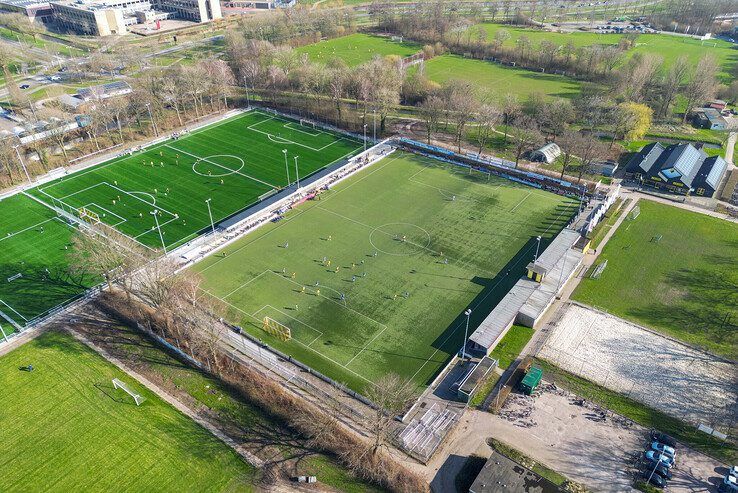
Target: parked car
660, 469
25, 86
653, 457
660, 447
655, 479
729, 484
657, 436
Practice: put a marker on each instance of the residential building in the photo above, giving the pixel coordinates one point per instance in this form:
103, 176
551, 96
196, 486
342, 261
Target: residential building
677, 168
709, 118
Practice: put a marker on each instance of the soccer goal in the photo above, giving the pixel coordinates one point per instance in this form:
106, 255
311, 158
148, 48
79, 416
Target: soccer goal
307, 123
597, 272
14, 277
137, 398
87, 215
275, 328
635, 212
397, 39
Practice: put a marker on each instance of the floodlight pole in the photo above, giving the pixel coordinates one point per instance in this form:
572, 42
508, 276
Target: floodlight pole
538, 246
161, 237
467, 312
151, 117
297, 173
23, 165
375, 126
286, 166
365, 125
210, 213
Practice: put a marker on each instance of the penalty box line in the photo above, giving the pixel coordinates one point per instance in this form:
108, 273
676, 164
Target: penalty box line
223, 167
29, 228
295, 340
282, 140
319, 332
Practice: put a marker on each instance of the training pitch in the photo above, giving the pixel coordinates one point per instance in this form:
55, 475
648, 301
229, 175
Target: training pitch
375, 276
218, 170
63, 427
675, 271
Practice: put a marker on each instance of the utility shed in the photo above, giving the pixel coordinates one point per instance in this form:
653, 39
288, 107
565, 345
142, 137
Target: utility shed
546, 154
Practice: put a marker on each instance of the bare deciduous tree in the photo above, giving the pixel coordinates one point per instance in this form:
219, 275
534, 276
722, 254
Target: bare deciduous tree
392, 394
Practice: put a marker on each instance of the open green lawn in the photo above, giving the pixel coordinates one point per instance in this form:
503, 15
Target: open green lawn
63, 427
356, 49
33, 243
684, 284
494, 81
509, 348
666, 46
410, 243
234, 163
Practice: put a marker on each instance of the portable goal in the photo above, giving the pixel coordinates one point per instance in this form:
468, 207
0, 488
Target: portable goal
87, 215
635, 212
137, 398
278, 329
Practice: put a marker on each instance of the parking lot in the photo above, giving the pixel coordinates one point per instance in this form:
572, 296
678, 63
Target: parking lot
576, 441
657, 371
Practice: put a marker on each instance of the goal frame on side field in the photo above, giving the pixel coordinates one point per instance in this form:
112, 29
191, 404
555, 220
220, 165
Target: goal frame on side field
137, 398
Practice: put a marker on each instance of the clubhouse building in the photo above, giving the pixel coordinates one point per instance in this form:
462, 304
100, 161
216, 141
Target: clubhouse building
678, 168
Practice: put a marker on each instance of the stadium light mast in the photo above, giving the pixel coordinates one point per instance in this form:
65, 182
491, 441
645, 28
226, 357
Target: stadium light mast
23, 165
538, 246
210, 213
297, 173
365, 125
375, 125
467, 312
286, 166
161, 237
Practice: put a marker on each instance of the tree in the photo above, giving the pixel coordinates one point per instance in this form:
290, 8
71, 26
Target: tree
510, 111
526, 136
391, 394
569, 145
702, 85
487, 118
632, 120
463, 102
431, 111
639, 76
671, 84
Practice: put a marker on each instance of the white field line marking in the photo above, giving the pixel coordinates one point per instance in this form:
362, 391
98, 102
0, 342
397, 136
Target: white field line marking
462, 322
10, 235
246, 283
319, 332
223, 167
521, 201
299, 213
295, 340
311, 134
122, 219
366, 345
14, 310
283, 140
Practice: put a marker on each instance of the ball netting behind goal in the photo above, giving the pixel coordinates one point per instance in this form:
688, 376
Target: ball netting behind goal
277, 329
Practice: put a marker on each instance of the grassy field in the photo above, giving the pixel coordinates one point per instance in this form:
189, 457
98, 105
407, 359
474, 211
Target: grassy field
494, 81
683, 285
666, 46
64, 428
356, 49
233, 163
33, 243
511, 345
374, 277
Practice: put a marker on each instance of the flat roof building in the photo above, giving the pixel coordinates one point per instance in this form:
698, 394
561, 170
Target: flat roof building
108, 17
35, 10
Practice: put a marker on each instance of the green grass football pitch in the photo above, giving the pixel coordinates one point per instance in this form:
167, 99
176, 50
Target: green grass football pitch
675, 271
33, 273
232, 163
356, 49
63, 427
408, 244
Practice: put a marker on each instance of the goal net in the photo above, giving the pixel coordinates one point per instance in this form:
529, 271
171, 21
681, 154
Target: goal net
398, 39
88, 215
14, 277
137, 398
307, 123
597, 272
275, 328
635, 212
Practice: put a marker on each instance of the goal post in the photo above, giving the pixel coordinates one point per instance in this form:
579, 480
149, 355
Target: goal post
277, 329
87, 215
635, 212
137, 398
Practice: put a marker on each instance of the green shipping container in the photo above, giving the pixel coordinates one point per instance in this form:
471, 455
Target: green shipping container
531, 380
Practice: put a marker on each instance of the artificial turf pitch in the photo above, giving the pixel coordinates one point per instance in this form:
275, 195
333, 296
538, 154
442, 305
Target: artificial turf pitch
408, 243
233, 163
675, 271
63, 427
